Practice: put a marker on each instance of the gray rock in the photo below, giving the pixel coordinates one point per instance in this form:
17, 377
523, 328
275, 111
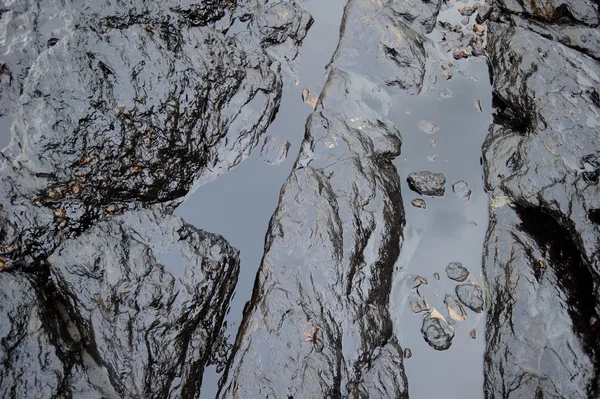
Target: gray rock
316, 265
418, 303
462, 190
436, 331
541, 260
119, 106
32, 364
394, 56
455, 309
471, 295
539, 337
544, 169
428, 126
274, 151
456, 271
584, 12
133, 103
148, 296
428, 183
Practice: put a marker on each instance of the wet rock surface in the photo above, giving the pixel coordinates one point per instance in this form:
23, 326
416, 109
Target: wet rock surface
348, 193
542, 341
455, 309
436, 331
150, 322
33, 364
541, 259
132, 105
274, 151
428, 183
456, 271
118, 111
462, 190
471, 295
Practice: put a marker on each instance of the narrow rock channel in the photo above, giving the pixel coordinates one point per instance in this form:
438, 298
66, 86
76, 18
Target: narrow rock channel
302, 198
450, 229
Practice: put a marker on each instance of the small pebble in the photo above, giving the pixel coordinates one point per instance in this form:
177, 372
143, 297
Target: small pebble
446, 93
419, 304
428, 126
7, 249
462, 190
455, 310
460, 54
466, 10
305, 94
407, 353
419, 203
477, 105
474, 334
436, 276
457, 272
478, 28
432, 157
418, 281
471, 296
447, 74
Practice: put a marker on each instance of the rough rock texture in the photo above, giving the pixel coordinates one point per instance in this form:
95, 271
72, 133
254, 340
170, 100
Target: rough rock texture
32, 366
428, 183
336, 234
133, 104
384, 49
436, 331
320, 271
471, 295
150, 322
119, 110
457, 272
541, 339
462, 190
542, 259
274, 151
455, 309
547, 131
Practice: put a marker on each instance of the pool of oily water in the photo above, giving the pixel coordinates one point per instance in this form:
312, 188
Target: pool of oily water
443, 129
239, 204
